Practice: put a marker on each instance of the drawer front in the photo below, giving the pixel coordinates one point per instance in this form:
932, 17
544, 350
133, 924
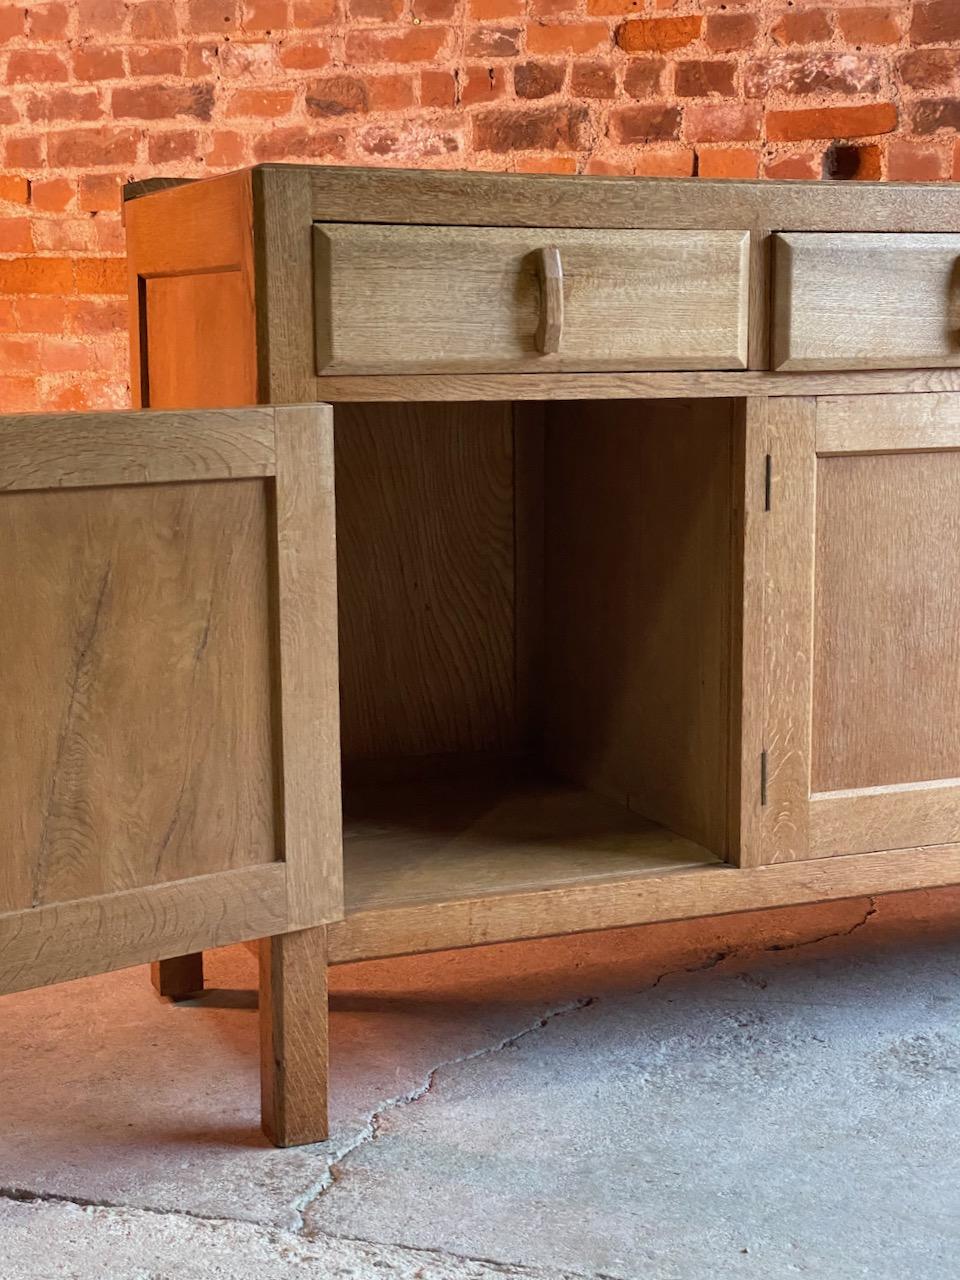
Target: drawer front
393, 299
857, 301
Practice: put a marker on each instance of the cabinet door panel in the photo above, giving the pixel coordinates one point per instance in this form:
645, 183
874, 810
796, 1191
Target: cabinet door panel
861, 626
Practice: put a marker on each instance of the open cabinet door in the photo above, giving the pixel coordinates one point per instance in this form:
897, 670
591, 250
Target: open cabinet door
859, 611
168, 690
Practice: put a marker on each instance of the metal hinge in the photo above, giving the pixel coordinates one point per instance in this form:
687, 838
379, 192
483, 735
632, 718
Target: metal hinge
763, 779
767, 481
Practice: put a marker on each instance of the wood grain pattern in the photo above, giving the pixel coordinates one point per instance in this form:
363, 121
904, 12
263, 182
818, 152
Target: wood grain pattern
639, 598
309, 680
293, 1037
886, 705
887, 424
177, 236
788, 587
425, 552
93, 935
135, 705
866, 301
897, 817
444, 841
71, 450
418, 299
625, 386
680, 895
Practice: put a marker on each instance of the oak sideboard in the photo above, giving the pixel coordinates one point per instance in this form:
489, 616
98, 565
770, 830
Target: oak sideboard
647, 541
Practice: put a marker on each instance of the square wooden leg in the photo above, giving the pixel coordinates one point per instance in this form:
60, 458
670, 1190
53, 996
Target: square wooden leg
293, 1037
178, 978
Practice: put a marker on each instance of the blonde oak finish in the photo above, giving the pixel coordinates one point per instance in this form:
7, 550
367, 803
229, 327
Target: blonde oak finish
444, 465
861, 648
168, 713
866, 301
393, 299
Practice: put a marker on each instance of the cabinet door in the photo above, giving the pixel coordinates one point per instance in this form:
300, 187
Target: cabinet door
857, 609
168, 691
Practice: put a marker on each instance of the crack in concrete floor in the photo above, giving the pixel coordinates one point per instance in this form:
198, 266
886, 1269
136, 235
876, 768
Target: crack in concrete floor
372, 1130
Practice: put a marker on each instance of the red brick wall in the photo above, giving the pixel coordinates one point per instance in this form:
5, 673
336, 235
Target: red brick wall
93, 92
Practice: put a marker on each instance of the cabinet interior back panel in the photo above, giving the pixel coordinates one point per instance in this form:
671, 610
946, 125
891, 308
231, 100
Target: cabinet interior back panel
135, 704
426, 571
887, 630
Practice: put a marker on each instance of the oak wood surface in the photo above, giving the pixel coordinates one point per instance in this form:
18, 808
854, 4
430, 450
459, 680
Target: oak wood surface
887, 424
50, 451
442, 841
293, 1037
639, 596
393, 299
885, 817
866, 301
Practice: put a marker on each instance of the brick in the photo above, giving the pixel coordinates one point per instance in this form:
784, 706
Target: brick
664, 164
337, 96
304, 56
419, 44
479, 84
608, 168
41, 315
100, 275
658, 35
264, 15
930, 68
53, 196
722, 122
568, 37
13, 22
643, 77
810, 73
19, 395
547, 129
227, 149
492, 10
173, 146
538, 79
48, 22
933, 114
729, 32
8, 109
93, 63
156, 60
546, 164
163, 102
393, 92
852, 163
935, 22
435, 10
99, 192
19, 354
907, 162
23, 151
90, 316
613, 8
645, 123
214, 16
299, 143
153, 20
36, 275
802, 165
439, 88
831, 122
375, 10
66, 104
493, 42
593, 80
30, 66
65, 235
702, 79
869, 24
14, 189
260, 103
313, 13
728, 162
802, 26
16, 236
100, 17
90, 148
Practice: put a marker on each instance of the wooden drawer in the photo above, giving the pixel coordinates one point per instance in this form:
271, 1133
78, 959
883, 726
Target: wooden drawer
396, 299
857, 301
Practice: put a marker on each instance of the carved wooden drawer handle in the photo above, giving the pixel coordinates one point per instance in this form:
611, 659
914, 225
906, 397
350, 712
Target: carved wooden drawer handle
550, 271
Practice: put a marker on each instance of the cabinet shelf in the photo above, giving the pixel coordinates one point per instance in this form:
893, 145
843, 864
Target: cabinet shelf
452, 839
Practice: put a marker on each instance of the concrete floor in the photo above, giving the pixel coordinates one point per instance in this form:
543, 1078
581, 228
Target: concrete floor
765, 1096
